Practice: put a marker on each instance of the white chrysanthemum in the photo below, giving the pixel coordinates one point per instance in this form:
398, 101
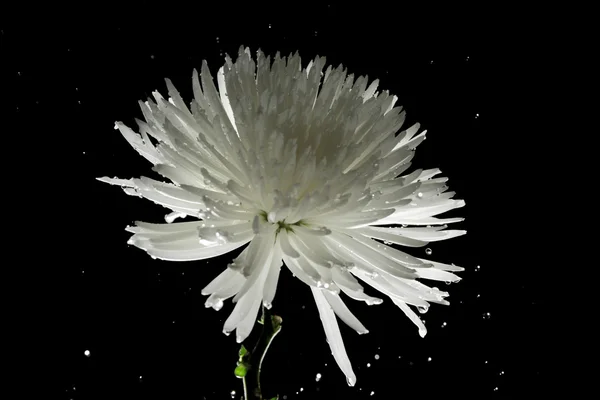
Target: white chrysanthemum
304, 166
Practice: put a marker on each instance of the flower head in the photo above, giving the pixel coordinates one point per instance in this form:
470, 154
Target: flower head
310, 170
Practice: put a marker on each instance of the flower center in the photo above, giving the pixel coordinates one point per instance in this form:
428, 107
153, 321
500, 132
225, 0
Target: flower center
281, 224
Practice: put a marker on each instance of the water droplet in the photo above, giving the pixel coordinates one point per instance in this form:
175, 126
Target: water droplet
377, 356
428, 358
269, 26
428, 251
501, 372
325, 230
217, 305
444, 324
477, 268
420, 195
496, 389
233, 391
141, 378
372, 393
477, 115
318, 378
368, 365
423, 309
87, 353
301, 389
152, 56
487, 315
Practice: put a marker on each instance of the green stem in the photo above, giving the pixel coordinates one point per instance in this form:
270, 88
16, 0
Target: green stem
250, 363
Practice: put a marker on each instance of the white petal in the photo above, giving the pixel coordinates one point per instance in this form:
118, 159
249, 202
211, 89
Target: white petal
412, 316
342, 311
404, 293
244, 328
390, 235
430, 235
349, 285
374, 259
334, 337
437, 275
246, 306
286, 246
260, 253
270, 285
359, 295
444, 267
308, 276
145, 148
225, 97
195, 252
224, 279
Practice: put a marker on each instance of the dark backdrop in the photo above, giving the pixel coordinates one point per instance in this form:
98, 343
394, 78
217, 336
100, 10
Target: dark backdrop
143, 321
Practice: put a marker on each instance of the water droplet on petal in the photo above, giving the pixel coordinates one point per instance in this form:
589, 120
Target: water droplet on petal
428, 251
217, 305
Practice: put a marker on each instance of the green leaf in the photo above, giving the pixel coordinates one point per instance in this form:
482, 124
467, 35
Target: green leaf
243, 352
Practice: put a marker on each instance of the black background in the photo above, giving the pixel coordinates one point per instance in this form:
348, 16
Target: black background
143, 321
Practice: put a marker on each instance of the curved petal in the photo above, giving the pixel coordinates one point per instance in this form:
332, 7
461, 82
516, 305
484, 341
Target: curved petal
334, 337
